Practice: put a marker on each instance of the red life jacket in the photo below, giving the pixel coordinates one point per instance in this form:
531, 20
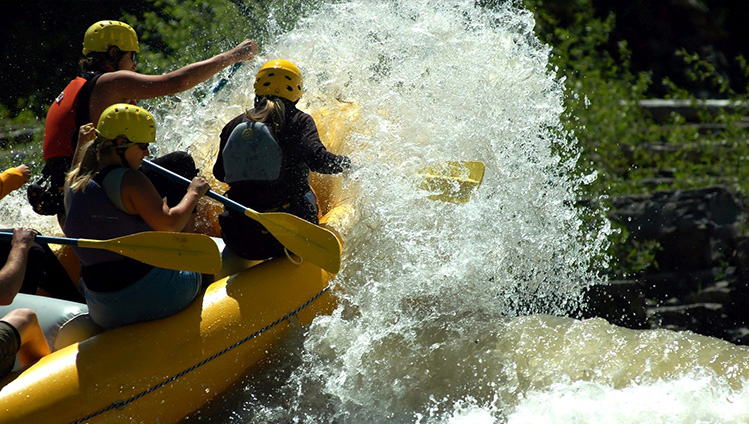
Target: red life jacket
60, 129
68, 112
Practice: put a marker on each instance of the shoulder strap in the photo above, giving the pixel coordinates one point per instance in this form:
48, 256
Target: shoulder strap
112, 186
82, 114
82, 105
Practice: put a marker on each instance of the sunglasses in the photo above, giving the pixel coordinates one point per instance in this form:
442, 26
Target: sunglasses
133, 56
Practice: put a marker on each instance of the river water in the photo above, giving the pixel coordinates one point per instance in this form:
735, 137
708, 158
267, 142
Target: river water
453, 313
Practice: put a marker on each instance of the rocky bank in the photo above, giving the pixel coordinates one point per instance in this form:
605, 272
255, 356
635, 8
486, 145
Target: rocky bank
701, 278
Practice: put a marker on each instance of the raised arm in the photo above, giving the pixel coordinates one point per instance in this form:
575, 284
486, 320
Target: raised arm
124, 86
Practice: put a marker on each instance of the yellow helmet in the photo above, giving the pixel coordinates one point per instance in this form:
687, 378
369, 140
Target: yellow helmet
105, 34
129, 121
280, 78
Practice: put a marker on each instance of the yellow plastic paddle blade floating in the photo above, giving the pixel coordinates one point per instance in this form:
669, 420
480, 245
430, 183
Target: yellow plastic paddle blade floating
452, 181
180, 251
311, 242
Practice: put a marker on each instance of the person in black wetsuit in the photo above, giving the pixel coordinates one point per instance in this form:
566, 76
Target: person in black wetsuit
266, 155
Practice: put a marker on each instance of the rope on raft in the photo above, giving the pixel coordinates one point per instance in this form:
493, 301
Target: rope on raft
121, 404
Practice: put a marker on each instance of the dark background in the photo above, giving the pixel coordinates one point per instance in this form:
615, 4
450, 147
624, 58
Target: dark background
41, 41
718, 30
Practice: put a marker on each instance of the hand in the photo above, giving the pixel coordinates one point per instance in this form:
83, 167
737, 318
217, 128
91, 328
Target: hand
86, 133
345, 163
246, 50
199, 185
25, 171
23, 237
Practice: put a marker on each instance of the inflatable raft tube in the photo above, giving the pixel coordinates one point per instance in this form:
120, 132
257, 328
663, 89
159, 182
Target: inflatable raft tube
62, 322
164, 370
160, 371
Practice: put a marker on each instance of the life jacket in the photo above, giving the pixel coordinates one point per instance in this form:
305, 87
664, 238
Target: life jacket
251, 154
68, 112
93, 215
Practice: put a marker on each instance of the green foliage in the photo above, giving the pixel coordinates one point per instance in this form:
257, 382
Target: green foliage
177, 32
18, 133
631, 151
616, 135
630, 257
173, 33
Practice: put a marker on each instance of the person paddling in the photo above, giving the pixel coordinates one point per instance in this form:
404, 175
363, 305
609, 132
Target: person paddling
109, 76
42, 268
108, 197
266, 155
20, 333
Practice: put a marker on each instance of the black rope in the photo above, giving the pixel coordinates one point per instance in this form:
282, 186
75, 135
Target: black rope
121, 404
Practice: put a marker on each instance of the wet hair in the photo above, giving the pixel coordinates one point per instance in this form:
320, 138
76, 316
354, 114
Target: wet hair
270, 110
84, 168
100, 61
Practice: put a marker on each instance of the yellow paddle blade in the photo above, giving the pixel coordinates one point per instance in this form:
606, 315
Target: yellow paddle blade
180, 251
452, 181
311, 242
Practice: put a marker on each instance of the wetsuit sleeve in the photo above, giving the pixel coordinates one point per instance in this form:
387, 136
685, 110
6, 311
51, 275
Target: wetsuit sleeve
317, 157
218, 166
11, 179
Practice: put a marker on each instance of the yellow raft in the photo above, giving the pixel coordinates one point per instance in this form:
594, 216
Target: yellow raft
163, 370
160, 371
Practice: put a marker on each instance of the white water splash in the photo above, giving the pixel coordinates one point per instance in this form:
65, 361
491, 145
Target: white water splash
426, 285
440, 317
424, 332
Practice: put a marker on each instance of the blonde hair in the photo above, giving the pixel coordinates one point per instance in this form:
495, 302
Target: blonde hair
269, 110
85, 166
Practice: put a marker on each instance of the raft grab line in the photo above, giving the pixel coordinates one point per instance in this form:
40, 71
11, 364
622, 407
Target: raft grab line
120, 404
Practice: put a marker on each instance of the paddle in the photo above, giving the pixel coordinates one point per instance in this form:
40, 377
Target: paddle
311, 242
222, 82
453, 181
181, 251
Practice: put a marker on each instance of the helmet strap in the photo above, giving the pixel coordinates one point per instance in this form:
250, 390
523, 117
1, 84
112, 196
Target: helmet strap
116, 55
121, 154
120, 150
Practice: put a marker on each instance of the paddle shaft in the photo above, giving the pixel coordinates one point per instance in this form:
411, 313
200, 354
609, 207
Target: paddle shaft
179, 251
44, 239
222, 82
236, 207
305, 239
